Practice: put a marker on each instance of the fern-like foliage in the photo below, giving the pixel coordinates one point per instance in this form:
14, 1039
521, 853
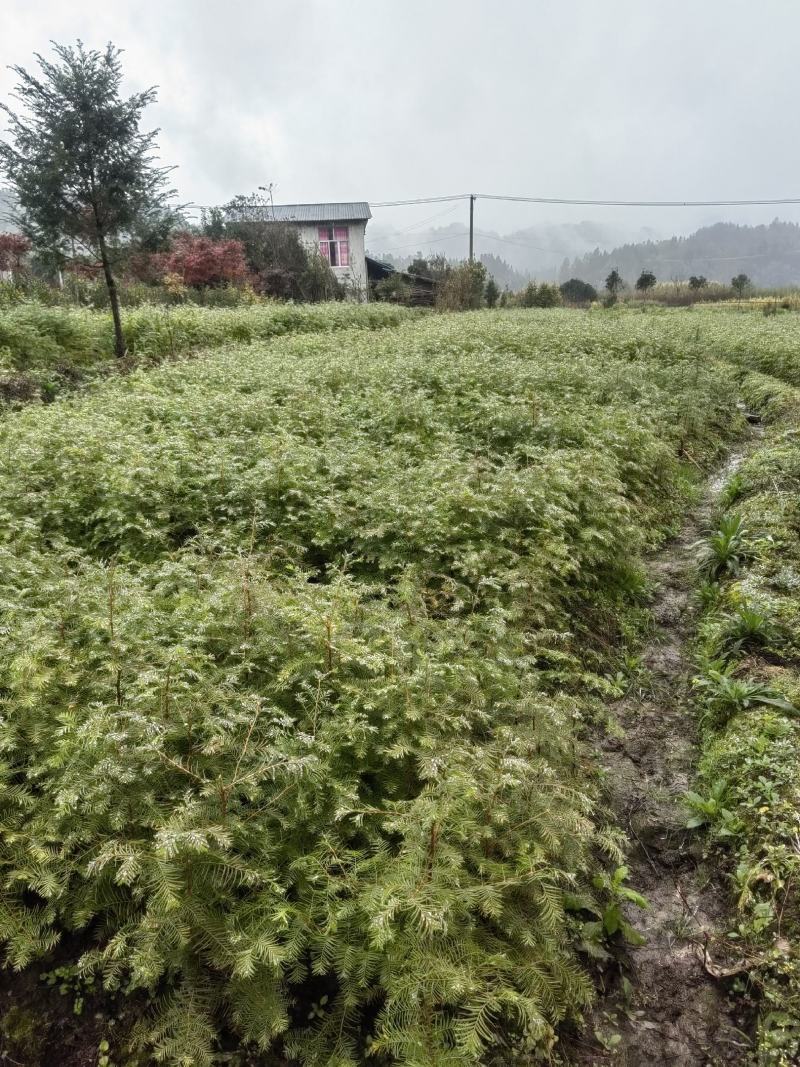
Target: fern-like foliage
296, 647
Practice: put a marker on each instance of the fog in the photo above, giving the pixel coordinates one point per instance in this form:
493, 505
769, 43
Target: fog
338, 101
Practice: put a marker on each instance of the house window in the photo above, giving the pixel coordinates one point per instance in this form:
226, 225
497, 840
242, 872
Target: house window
334, 245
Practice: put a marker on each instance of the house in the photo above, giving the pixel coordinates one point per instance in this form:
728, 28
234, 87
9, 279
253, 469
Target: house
336, 231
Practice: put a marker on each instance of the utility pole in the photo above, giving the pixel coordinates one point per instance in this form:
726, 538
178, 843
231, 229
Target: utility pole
472, 199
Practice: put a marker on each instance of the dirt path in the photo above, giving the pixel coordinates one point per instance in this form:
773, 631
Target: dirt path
671, 1011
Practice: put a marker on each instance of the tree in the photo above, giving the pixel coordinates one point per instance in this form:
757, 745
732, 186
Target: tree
436, 267
576, 291
548, 295
698, 281
645, 282
529, 295
614, 283
81, 170
741, 283
278, 261
212, 223
491, 293
544, 295
419, 266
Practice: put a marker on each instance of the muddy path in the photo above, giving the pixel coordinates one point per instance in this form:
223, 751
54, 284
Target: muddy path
668, 1003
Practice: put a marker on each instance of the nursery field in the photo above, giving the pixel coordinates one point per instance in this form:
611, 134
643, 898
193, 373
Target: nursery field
46, 350
303, 646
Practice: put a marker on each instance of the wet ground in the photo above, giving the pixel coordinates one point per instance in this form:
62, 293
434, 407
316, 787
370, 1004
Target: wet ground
670, 1004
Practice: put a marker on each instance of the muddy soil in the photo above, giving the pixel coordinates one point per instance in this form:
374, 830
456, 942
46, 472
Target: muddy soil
669, 1002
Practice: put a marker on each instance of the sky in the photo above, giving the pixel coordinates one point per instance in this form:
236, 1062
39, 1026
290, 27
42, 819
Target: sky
377, 101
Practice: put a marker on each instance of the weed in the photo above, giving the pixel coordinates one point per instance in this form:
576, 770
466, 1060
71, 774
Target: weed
732, 491
746, 628
710, 809
727, 550
725, 694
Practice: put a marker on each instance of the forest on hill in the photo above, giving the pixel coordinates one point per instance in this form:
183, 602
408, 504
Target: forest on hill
769, 255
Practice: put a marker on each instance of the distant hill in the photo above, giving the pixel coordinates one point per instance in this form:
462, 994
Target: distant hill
769, 255
503, 273
533, 252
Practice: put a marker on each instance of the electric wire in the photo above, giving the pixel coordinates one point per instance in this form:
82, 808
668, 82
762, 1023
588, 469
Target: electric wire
761, 201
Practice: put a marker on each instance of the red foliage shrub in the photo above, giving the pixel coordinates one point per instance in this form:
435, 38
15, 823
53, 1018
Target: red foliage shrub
201, 261
13, 247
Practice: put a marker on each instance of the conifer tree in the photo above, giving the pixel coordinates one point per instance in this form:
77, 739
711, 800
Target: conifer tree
80, 168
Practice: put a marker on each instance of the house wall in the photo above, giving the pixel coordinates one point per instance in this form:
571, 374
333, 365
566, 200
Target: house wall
356, 274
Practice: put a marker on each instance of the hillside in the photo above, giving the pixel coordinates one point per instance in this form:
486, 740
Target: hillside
537, 251
770, 255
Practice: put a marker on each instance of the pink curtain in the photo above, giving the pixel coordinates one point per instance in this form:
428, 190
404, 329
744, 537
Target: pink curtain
341, 234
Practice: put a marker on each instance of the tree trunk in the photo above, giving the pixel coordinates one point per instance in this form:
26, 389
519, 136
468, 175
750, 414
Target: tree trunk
113, 297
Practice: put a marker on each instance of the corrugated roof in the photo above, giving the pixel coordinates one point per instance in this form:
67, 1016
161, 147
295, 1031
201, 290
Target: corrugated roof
346, 212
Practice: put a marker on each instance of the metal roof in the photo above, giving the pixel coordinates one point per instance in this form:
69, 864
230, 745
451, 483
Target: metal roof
347, 212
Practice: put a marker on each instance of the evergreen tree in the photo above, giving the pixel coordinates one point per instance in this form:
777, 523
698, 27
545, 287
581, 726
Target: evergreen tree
613, 282
646, 281
491, 293
741, 283
80, 168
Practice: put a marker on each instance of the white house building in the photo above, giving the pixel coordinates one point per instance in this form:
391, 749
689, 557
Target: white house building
337, 232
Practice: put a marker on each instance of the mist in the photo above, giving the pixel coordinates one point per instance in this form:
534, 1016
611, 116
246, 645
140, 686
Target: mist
339, 102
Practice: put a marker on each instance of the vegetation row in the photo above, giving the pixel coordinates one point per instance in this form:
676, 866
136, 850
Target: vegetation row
748, 688
299, 641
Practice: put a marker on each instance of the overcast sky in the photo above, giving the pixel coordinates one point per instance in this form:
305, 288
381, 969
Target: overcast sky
380, 101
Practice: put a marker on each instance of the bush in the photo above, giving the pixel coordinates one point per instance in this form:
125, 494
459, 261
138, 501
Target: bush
13, 249
578, 292
394, 289
201, 262
542, 295
461, 288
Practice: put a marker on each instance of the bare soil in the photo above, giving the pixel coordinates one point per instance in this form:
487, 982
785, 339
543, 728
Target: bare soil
668, 1002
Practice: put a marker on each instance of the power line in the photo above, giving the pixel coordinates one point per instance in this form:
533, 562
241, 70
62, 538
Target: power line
420, 222
590, 203
415, 244
420, 200
574, 254
637, 203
